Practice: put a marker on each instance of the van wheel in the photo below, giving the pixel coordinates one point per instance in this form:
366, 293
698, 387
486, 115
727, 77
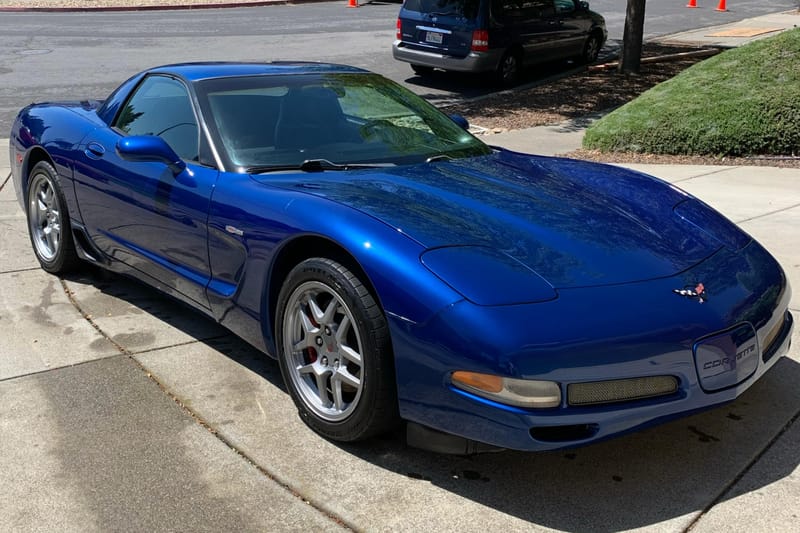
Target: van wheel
422, 70
591, 49
509, 70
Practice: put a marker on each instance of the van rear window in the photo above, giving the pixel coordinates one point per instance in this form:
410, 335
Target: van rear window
467, 9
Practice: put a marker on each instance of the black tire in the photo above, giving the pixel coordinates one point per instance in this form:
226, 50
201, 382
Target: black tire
422, 70
509, 70
324, 316
48, 221
591, 49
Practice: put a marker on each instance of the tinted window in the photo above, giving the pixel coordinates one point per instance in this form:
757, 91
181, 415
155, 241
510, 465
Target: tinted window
522, 9
467, 9
279, 121
161, 106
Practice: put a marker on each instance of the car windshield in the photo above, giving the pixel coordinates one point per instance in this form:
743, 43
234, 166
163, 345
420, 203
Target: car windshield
280, 122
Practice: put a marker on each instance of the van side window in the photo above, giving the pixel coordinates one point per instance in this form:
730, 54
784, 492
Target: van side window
519, 10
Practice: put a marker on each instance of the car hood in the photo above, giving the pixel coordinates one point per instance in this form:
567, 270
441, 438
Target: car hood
576, 224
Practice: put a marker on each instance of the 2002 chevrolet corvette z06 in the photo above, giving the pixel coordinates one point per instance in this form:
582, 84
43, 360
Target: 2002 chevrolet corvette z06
397, 267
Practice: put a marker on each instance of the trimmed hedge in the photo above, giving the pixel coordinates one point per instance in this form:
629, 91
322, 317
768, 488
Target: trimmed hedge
745, 101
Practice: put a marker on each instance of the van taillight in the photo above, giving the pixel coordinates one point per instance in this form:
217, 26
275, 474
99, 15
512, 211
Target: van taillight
480, 41
399, 34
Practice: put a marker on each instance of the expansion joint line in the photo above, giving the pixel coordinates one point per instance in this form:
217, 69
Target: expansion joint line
197, 418
2, 185
743, 473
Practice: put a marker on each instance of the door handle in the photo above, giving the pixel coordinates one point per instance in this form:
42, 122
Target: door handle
95, 150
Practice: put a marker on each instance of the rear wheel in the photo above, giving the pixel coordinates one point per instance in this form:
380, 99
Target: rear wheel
48, 221
510, 69
591, 49
334, 352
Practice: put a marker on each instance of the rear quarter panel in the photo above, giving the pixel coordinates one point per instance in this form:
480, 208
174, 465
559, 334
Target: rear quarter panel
50, 132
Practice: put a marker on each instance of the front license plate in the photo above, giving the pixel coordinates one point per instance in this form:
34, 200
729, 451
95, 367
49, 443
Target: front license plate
433, 37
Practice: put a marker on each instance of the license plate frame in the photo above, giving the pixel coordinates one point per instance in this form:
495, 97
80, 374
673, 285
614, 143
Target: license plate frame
434, 37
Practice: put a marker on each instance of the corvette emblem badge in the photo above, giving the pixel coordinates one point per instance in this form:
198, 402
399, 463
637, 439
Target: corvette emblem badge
697, 292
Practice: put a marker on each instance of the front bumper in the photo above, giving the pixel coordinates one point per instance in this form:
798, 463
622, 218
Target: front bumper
473, 62
596, 334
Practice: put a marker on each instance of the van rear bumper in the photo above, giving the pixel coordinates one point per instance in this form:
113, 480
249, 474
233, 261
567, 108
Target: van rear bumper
473, 62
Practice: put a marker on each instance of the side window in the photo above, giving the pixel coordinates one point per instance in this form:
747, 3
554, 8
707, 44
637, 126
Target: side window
161, 106
522, 10
565, 7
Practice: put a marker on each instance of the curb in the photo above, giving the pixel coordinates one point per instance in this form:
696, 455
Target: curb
175, 7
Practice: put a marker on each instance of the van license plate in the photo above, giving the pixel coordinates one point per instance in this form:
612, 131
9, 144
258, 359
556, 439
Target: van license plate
433, 37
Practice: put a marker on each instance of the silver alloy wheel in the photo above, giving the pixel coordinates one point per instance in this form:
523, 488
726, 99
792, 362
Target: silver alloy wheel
322, 349
44, 216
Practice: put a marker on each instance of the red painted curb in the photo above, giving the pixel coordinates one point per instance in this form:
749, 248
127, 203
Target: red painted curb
156, 8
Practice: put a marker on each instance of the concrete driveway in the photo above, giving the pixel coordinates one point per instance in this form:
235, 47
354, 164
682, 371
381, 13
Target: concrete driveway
121, 410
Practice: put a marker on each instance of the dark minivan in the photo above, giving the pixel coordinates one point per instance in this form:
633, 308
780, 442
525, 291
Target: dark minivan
498, 36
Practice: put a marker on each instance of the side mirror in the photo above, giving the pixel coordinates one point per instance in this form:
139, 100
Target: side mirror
461, 121
584, 5
150, 148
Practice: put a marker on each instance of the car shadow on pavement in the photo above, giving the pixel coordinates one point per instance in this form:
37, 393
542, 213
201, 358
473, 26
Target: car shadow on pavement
667, 473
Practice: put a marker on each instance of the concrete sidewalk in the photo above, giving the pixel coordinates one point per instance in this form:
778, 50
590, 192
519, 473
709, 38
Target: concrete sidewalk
121, 410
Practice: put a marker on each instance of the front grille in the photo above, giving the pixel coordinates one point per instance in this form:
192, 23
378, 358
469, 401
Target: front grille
620, 390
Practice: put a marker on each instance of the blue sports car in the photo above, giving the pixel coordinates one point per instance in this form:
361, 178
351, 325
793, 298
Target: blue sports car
398, 268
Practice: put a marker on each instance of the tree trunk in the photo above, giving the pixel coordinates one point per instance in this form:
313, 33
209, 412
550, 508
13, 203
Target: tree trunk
632, 38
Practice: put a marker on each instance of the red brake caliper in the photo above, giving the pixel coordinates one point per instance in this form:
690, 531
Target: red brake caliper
311, 352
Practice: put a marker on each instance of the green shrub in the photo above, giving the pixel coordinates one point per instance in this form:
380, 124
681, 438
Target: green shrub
745, 101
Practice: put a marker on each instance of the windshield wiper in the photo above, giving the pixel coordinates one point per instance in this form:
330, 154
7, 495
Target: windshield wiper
315, 165
440, 157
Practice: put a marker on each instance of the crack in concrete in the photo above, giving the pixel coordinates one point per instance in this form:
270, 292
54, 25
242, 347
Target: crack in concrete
200, 420
705, 174
8, 178
768, 214
741, 474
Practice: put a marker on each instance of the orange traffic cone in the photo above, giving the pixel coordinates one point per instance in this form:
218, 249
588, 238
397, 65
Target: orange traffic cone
352, 3
722, 6
692, 3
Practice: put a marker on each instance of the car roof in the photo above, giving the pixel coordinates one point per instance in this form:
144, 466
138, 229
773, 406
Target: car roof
210, 70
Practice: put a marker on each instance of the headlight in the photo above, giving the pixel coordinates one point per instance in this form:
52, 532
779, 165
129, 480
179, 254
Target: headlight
518, 392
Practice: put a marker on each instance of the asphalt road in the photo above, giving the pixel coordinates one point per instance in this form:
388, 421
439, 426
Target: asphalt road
50, 56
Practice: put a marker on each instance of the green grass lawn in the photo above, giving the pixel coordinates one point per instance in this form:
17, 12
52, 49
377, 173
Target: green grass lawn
745, 101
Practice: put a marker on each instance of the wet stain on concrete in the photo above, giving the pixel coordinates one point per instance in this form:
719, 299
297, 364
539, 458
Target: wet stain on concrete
134, 340
40, 313
617, 478
703, 437
733, 416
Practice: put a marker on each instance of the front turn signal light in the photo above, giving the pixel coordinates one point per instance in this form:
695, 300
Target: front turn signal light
533, 394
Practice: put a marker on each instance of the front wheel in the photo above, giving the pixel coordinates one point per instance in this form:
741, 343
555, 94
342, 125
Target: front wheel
334, 352
48, 221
